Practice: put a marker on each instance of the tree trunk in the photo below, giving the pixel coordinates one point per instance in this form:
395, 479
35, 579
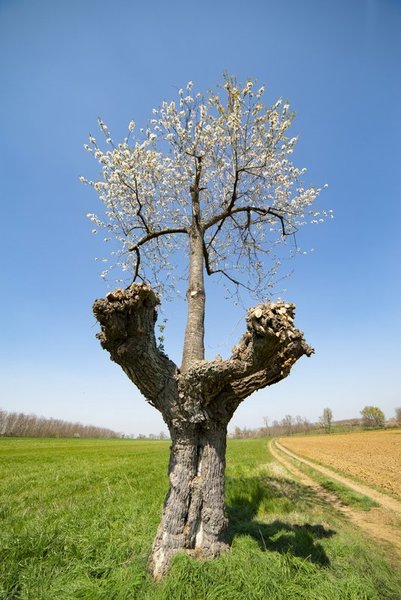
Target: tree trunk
193, 514
196, 403
194, 348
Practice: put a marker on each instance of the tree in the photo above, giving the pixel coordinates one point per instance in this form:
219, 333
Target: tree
3, 421
372, 416
398, 415
237, 432
326, 419
209, 181
266, 429
288, 424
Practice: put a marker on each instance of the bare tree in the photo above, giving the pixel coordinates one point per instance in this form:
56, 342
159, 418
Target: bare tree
288, 424
3, 421
326, 419
398, 415
237, 432
210, 179
266, 428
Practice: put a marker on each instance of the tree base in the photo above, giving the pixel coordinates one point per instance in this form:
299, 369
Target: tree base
160, 564
194, 517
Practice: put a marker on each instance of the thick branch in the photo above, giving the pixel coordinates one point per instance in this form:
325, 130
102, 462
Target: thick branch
265, 355
147, 238
156, 234
248, 209
127, 319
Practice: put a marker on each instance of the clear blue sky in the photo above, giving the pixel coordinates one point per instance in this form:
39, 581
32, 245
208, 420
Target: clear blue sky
64, 63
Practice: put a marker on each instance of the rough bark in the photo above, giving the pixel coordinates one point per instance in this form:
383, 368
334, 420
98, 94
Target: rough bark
127, 319
193, 514
196, 403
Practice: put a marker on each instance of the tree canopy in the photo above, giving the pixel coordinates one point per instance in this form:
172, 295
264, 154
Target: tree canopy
230, 150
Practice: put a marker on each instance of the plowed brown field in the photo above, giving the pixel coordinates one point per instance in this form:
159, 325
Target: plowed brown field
373, 456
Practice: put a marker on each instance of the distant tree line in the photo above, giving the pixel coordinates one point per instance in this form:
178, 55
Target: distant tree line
21, 425
371, 417
152, 436
289, 425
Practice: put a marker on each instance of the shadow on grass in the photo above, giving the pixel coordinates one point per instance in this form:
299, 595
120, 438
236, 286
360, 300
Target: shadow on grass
248, 497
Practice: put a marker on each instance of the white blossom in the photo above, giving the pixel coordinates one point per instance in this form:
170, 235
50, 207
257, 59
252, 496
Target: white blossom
146, 183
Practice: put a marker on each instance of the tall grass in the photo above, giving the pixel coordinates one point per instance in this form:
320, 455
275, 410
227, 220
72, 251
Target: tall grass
77, 519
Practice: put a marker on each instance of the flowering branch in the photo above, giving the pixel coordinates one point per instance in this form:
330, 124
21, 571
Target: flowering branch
231, 152
151, 236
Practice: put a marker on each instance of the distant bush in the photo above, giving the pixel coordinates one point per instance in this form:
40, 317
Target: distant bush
372, 416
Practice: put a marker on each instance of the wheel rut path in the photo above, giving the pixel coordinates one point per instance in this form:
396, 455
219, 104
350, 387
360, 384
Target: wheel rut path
382, 523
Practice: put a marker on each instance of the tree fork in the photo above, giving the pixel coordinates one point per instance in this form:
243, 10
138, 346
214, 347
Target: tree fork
197, 405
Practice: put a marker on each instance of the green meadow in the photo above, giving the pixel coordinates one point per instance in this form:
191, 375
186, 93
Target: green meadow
77, 520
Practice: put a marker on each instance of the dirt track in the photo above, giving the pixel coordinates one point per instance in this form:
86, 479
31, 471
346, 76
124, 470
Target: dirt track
382, 523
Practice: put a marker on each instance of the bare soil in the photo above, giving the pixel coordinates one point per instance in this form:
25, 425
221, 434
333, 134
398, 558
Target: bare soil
373, 457
382, 524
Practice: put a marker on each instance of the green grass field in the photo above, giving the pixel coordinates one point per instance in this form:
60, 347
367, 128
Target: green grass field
77, 519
